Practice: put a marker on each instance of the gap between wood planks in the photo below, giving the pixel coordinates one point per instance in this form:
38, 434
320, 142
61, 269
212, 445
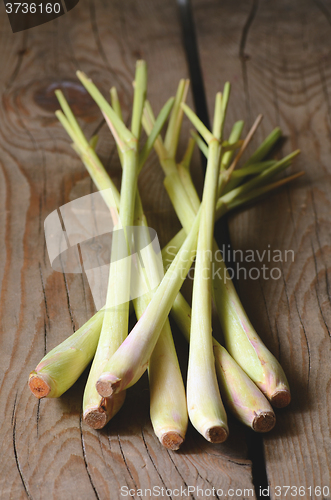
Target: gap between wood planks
190, 41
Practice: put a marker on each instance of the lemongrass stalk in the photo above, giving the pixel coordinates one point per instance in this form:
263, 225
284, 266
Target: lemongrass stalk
131, 359
241, 340
201, 128
245, 346
200, 142
62, 366
140, 89
172, 135
205, 407
176, 118
168, 409
159, 122
224, 106
113, 332
105, 409
115, 324
251, 353
241, 396
170, 250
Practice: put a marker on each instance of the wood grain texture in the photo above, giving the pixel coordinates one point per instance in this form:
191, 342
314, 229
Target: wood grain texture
46, 450
277, 56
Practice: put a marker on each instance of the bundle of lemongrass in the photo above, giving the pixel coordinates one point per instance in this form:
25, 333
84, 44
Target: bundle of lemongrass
243, 373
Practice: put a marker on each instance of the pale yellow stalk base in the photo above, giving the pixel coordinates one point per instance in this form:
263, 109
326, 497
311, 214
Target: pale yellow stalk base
168, 407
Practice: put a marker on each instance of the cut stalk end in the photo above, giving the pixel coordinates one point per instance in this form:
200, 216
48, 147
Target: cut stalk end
216, 434
108, 384
40, 385
171, 440
96, 417
281, 398
264, 421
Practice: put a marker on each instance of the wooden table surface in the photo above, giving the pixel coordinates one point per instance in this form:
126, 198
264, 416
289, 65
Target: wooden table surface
277, 56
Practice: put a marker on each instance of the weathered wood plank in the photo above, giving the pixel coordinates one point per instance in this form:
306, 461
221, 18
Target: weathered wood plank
46, 451
278, 61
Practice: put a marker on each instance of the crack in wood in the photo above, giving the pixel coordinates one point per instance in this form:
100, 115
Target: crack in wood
306, 337
317, 294
85, 458
153, 463
193, 60
15, 451
38, 416
322, 315
256, 455
44, 295
266, 306
244, 57
180, 475
64, 275
320, 247
68, 302
278, 341
125, 462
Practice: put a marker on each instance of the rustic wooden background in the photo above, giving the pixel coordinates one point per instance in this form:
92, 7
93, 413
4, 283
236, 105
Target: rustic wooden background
277, 56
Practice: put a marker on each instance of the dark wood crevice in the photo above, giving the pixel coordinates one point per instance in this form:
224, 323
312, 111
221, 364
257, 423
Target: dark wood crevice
17, 462
85, 460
